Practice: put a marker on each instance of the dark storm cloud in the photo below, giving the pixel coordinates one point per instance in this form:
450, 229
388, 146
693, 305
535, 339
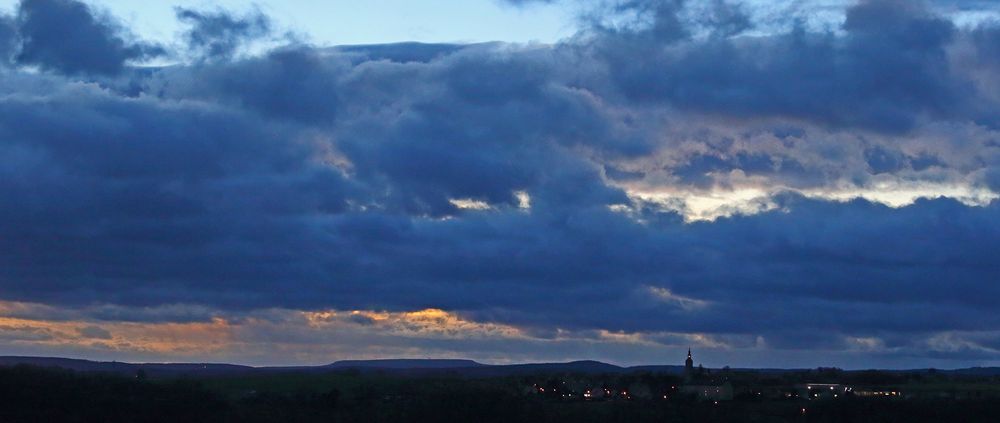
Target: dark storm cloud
889, 69
697, 169
659, 21
986, 39
218, 34
295, 83
311, 178
728, 19
71, 37
8, 38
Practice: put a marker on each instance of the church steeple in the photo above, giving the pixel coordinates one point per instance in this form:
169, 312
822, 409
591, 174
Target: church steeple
689, 363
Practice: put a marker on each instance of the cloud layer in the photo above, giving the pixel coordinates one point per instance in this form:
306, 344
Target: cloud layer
667, 176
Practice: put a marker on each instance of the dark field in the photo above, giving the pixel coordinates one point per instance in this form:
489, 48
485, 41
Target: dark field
34, 394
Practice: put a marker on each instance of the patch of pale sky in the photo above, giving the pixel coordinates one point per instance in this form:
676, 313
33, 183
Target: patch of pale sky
708, 205
342, 22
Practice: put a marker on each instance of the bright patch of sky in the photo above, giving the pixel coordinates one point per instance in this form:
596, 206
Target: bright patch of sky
709, 205
339, 22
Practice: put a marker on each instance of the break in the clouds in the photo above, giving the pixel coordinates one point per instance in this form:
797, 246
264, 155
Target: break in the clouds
677, 173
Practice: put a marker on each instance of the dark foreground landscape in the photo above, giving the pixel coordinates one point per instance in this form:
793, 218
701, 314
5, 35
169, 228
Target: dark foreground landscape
57, 390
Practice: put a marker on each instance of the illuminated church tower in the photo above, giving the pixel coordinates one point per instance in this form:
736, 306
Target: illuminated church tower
689, 364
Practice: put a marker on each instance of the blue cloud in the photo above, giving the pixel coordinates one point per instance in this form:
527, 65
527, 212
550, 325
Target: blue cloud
885, 73
218, 34
8, 38
68, 36
313, 177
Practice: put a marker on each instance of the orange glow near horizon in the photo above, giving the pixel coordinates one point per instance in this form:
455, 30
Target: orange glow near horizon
294, 337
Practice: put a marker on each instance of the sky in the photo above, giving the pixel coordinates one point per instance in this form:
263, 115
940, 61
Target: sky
770, 183
377, 21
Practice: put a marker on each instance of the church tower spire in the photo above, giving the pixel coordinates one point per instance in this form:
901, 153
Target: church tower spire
689, 363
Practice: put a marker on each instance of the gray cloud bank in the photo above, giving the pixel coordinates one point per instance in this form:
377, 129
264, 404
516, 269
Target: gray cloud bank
313, 177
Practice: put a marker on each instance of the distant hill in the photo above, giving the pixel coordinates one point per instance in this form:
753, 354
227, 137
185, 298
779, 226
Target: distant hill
975, 371
404, 364
474, 369
68, 363
467, 368
585, 366
151, 369
677, 370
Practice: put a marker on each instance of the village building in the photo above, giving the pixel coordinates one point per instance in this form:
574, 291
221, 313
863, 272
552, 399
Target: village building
719, 392
822, 390
697, 385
